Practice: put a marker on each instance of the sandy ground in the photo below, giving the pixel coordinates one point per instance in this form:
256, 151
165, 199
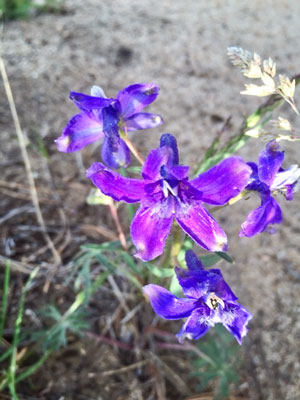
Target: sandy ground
182, 47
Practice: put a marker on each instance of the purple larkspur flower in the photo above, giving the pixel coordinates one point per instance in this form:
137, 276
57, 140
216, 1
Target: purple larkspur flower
104, 118
165, 193
209, 300
269, 178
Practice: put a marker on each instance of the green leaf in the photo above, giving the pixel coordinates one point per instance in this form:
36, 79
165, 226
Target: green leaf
175, 288
225, 256
159, 272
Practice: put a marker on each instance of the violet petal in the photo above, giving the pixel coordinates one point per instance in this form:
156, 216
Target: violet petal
115, 152
166, 305
258, 220
196, 325
269, 162
192, 261
80, 131
87, 103
235, 319
201, 227
114, 185
149, 231
223, 181
141, 121
134, 98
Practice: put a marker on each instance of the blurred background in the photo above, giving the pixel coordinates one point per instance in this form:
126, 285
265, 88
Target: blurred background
181, 46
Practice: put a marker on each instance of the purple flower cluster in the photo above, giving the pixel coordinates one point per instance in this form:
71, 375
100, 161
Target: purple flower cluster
209, 300
104, 118
167, 195
269, 178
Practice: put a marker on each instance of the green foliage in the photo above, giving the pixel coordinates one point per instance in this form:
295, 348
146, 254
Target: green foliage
12, 9
15, 8
220, 367
61, 324
9, 376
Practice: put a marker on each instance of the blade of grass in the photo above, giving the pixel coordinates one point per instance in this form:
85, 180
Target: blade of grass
4, 297
32, 369
11, 375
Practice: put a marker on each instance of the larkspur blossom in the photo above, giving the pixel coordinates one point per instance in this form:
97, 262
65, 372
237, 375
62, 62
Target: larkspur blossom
102, 117
166, 193
209, 300
269, 178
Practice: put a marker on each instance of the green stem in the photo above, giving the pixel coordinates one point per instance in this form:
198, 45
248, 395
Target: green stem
5, 297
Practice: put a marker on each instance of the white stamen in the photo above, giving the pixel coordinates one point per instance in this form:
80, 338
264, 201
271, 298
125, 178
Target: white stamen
167, 189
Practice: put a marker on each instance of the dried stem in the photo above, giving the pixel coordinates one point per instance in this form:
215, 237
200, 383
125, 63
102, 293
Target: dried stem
131, 146
21, 139
115, 216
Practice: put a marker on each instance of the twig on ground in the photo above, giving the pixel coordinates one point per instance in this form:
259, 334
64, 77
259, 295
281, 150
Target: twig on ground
17, 265
123, 370
171, 375
106, 340
16, 211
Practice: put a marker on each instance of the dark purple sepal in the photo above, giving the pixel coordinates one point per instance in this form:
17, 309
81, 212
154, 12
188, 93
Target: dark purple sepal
166, 305
195, 326
87, 103
235, 319
115, 152
258, 220
169, 140
196, 284
114, 185
192, 261
269, 162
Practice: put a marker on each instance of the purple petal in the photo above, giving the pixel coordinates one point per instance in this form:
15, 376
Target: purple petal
114, 185
223, 181
235, 319
134, 98
80, 131
110, 121
195, 326
258, 220
197, 284
286, 177
201, 227
168, 140
141, 121
155, 160
166, 305
115, 152
149, 231
175, 173
87, 103
289, 195
269, 162
192, 261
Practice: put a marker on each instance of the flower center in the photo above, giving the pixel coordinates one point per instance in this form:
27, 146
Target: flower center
167, 189
213, 301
